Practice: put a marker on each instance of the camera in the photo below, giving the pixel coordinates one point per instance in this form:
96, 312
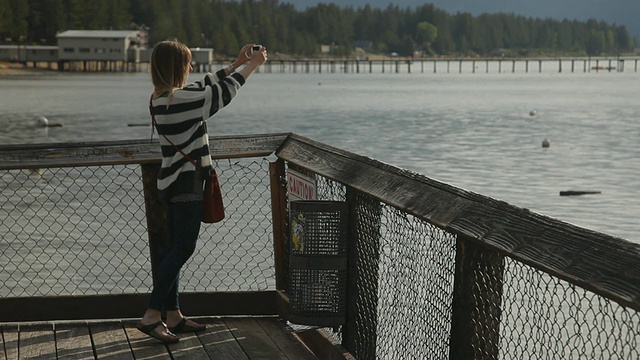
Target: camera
256, 47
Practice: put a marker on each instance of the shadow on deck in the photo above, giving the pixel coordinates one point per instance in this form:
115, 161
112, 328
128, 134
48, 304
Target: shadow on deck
225, 338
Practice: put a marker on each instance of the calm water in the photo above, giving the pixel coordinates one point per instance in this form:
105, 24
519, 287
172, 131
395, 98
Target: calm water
474, 131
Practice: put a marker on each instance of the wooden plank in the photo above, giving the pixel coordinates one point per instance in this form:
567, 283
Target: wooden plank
279, 213
10, 333
2, 350
73, 341
110, 340
598, 262
323, 345
144, 346
219, 342
189, 347
477, 296
37, 342
132, 305
253, 340
126, 152
285, 339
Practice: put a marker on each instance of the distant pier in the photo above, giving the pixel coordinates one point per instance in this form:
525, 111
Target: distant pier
443, 65
407, 66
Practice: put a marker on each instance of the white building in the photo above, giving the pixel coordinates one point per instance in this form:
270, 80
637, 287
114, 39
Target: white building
98, 45
31, 53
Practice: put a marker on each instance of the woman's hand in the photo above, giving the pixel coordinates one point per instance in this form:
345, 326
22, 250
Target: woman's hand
259, 57
256, 59
243, 56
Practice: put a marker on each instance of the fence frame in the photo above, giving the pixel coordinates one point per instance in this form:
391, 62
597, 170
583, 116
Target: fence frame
603, 264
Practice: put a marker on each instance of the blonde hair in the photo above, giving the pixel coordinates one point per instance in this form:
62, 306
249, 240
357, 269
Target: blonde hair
170, 62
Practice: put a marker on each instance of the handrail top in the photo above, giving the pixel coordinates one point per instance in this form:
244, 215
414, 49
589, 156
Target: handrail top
137, 151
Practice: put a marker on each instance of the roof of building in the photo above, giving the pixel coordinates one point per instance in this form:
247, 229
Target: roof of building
110, 34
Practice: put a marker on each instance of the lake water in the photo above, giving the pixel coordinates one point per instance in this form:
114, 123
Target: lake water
474, 131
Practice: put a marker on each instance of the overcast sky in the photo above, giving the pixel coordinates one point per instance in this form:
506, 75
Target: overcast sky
621, 12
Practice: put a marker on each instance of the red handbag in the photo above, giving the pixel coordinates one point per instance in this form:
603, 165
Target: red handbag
213, 211
212, 200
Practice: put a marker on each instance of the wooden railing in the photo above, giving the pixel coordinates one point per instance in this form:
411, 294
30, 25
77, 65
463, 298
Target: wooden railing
453, 267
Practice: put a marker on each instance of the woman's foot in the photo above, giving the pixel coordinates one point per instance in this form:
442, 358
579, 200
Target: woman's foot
186, 326
152, 325
177, 323
158, 330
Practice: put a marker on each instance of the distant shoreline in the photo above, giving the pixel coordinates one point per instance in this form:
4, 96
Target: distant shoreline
12, 69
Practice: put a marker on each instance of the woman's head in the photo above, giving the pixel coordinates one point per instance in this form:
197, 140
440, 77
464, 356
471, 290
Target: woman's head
170, 65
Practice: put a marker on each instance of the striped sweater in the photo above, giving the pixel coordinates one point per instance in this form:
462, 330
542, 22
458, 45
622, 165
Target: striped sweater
181, 119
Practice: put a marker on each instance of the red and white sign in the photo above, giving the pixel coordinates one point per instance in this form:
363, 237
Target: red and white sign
301, 187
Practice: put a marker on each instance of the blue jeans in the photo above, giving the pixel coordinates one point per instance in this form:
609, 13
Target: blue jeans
183, 227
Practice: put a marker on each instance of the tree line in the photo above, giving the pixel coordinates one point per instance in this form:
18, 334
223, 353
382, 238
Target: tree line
226, 25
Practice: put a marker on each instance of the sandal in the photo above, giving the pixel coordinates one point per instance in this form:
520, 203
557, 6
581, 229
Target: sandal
150, 330
183, 327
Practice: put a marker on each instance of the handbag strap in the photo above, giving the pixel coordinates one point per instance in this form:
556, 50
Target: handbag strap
155, 124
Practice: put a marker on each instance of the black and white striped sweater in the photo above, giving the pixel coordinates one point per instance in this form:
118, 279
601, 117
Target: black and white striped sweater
181, 117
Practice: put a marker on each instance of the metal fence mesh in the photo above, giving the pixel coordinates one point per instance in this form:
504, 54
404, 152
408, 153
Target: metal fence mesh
405, 287
82, 231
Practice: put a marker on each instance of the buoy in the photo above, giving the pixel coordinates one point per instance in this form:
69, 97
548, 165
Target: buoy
532, 113
545, 143
42, 121
578, 192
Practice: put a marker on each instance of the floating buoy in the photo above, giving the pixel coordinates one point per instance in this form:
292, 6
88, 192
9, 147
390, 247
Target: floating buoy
578, 192
42, 121
532, 113
546, 143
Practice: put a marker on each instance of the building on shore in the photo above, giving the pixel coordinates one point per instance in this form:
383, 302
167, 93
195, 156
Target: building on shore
95, 50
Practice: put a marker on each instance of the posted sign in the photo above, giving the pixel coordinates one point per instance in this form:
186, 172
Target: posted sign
301, 186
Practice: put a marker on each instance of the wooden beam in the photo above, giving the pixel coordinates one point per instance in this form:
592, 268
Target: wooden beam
598, 262
279, 219
29, 156
133, 306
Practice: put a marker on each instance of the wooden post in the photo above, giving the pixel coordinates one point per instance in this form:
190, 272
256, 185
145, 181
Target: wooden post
526, 66
362, 275
279, 219
477, 294
156, 216
560, 65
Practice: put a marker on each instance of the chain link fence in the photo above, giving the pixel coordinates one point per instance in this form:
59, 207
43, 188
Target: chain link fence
406, 302
82, 231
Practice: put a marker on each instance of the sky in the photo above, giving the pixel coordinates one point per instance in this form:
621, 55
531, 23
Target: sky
621, 12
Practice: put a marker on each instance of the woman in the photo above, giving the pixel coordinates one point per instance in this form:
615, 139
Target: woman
179, 111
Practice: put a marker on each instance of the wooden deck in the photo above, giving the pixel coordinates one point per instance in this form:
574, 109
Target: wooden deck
225, 338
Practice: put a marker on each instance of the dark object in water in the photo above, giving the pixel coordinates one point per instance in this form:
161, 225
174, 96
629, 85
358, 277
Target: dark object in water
575, 192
